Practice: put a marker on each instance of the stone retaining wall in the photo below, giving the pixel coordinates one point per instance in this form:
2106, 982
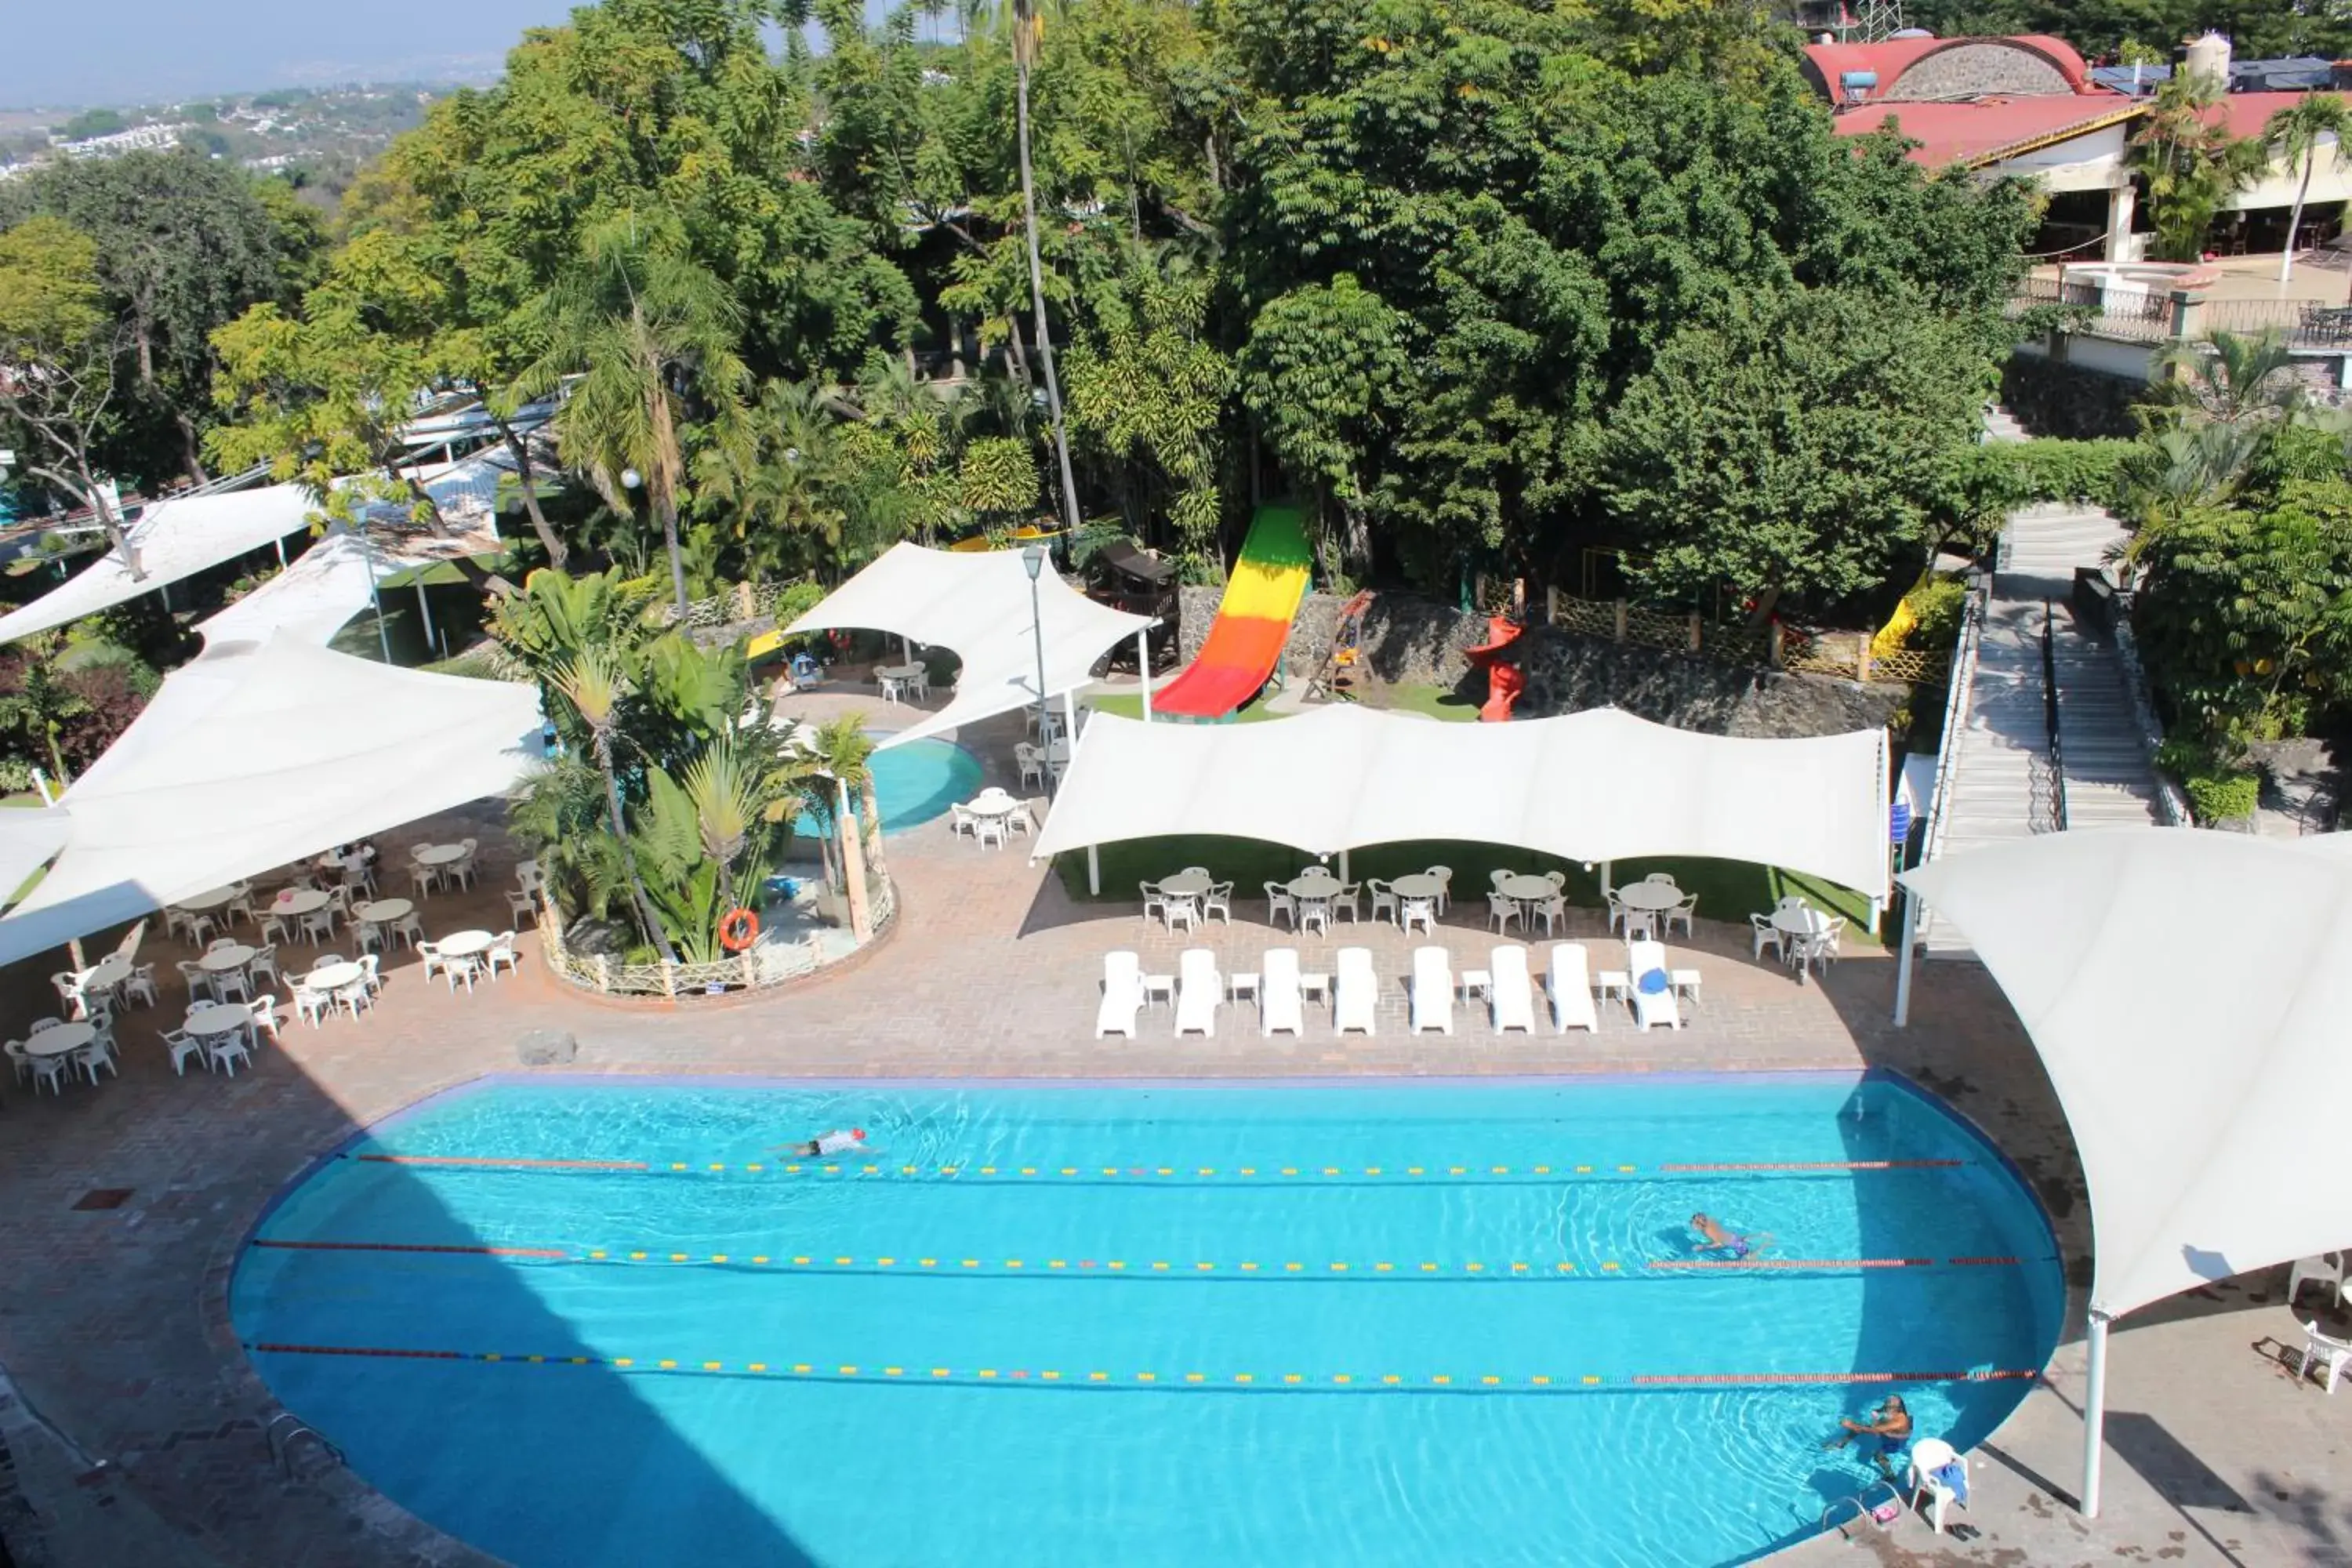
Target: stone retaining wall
1415, 641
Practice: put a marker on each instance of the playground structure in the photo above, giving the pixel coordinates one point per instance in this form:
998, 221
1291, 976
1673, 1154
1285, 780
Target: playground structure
1339, 677
1505, 679
1245, 641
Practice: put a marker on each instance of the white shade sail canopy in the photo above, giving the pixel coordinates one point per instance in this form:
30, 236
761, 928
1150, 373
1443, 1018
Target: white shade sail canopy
1598, 785
172, 539
252, 757
27, 839
312, 600
2190, 995
977, 605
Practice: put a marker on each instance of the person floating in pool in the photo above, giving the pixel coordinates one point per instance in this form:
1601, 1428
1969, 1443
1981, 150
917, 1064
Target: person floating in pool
1714, 1237
1885, 1434
849, 1141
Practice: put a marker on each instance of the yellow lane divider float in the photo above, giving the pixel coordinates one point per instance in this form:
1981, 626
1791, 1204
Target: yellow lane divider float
1116, 1268
1184, 1173
1166, 1381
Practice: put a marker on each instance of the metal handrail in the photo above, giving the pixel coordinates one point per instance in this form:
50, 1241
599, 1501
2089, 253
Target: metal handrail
2050, 718
282, 1449
1957, 698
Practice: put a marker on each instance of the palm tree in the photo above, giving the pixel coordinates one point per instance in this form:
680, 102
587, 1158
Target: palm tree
2295, 133
593, 684
653, 336
842, 748
2234, 379
2191, 163
1027, 29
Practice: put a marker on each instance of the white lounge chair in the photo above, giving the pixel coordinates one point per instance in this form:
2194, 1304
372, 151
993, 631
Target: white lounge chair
2328, 1269
1278, 1005
1509, 992
1432, 991
2325, 1351
1570, 984
1122, 996
1357, 998
1199, 989
1929, 1455
1642, 959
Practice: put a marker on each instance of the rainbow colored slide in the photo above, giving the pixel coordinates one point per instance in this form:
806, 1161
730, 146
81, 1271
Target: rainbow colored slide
1252, 623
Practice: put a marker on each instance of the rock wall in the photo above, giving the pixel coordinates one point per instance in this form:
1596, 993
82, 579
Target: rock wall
2069, 402
1415, 641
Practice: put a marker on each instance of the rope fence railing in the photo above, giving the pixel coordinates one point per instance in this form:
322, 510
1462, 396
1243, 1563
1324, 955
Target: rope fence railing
1846, 656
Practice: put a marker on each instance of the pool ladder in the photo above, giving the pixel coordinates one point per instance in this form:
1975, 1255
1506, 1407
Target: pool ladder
284, 1429
1860, 1504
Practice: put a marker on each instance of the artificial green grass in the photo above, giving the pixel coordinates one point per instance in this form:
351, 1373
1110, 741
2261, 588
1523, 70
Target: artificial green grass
1726, 889
1437, 702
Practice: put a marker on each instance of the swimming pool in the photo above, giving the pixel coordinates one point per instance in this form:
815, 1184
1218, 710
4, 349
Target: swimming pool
1365, 1324
914, 783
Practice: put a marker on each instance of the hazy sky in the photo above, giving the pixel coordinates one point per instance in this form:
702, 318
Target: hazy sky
128, 51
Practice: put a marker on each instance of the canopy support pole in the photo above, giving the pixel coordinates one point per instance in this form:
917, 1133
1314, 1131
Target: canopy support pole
906, 649
1605, 880
1143, 668
1903, 960
2095, 1413
280, 542
375, 593
1344, 876
1877, 908
1093, 871
425, 611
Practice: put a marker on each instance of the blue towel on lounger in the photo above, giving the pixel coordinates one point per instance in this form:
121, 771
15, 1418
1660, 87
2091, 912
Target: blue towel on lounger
1653, 982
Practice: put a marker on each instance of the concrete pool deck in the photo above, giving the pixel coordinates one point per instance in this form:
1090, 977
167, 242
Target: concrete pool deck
139, 1435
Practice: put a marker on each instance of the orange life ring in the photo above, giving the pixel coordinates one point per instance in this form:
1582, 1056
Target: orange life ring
738, 928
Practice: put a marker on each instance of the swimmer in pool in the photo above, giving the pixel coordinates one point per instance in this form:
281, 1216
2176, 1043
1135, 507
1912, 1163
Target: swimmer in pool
1715, 1237
1883, 1435
852, 1141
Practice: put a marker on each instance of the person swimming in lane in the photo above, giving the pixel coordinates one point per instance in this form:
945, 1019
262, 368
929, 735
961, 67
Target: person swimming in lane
1714, 1237
841, 1141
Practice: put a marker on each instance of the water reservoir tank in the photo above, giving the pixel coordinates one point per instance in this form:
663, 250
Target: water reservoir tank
2208, 59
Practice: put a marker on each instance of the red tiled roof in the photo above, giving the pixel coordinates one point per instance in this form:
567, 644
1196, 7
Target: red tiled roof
1891, 59
1982, 130
2250, 113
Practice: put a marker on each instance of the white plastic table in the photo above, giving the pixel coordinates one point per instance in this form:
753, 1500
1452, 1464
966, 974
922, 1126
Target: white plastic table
333, 977
107, 973
382, 912
298, 901
221, 960
439, 854
466, 943
1657, 898
1527, 889
1186, 884
202, 903
1311, 886
1803, 921
894, 679
60, 1039
1418, 885
217, 1018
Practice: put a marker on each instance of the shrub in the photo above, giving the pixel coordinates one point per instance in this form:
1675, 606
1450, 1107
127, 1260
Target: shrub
2221, 797
110, 699
1936, 609
2010, 474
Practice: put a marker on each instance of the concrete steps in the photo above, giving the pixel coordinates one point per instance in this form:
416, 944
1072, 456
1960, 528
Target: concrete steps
2001, 424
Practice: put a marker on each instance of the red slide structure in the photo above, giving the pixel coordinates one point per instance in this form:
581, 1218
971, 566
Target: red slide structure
1505, 679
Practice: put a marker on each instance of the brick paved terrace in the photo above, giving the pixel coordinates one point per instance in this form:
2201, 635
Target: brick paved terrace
137, 1428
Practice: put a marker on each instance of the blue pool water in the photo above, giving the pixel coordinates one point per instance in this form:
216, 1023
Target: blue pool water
1072, 1326
915, 782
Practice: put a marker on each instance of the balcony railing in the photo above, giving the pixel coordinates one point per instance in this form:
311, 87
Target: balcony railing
2148, 317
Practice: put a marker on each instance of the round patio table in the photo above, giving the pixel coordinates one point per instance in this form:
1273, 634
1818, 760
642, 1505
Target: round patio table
466, 943
1804, 922
1418, 885
1186, 884
1657, 898
1527, 890
202, 903
218, 1019
439, 854
383, 912
298, 901
107, 973
334, 977
221, 960
60, 1039
992, 803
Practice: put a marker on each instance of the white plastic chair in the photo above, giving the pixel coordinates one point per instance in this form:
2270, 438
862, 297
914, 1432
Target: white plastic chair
2326, 1350
430, 953
1445, 874
1422, 909
1432, 991
1762, 932
275, 929
1199, 989
226, 1051
318, 925
1509, 992
1182, 908
184, 1045
263, 962
1278, 903
1661, 878
48, 1072
199, 983
1569, 981
233, 985
1153, 899
141, 984
265, 1018
1384, 897
462, 868
1122, 996
1687, 911
1616, 910
502, 951
409, 927
1278, 1004
1220, 901
1356, 999
1349, 901
98, 1053
1032, 762
1642, 958
311, 1005
2328, 1269
520, 908
1929, 1455
1501, 911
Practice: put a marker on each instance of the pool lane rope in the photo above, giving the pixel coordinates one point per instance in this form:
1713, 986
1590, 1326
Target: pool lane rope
1114, 1268
1166, 1381
1188, 1174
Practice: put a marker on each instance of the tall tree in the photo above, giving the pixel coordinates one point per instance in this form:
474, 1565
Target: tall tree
2191, 163
652, 337
2294, 134
59, 354
1024, 48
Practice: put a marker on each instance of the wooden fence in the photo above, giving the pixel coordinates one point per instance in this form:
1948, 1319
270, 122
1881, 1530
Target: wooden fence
1845, 654
757, 968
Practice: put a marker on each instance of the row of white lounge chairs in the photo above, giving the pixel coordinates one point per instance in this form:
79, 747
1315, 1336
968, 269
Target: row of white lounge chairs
1652, 990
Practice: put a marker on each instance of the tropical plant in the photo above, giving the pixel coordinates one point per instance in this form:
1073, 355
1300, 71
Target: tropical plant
2294, 134
842, 749
652, 336
58, 353
2189, 163
1027, 29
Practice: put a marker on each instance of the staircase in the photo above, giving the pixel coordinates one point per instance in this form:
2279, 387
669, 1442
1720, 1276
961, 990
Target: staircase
2001, 785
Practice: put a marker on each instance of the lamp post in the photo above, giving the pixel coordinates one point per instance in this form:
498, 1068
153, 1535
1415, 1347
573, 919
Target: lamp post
1033, 556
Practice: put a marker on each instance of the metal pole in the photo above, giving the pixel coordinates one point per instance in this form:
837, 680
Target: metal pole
1903, 960
1143, 668
1604, 881
2095, 1413
1044, 730
383, 637
280, 542
1093, 871
1344, 878
425, 611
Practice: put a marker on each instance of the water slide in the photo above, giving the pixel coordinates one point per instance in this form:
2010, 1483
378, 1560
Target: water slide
1252, 623
1505, 680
